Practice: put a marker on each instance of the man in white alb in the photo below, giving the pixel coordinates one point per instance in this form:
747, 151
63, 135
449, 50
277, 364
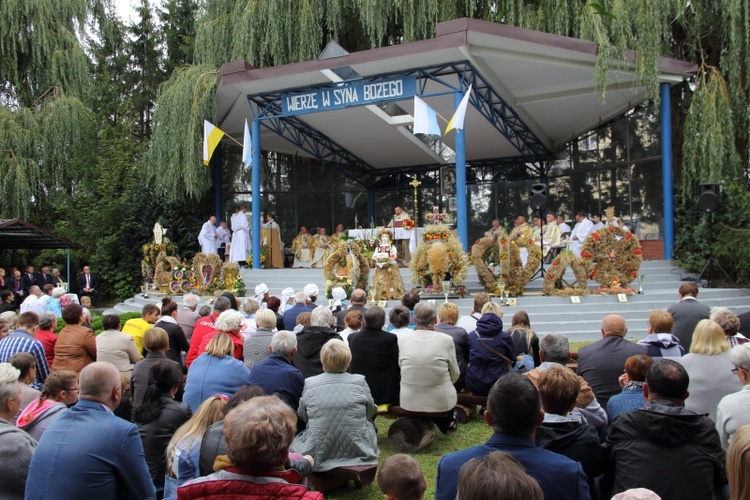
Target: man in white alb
207, 236
580, 232
598, 224
222, 239
564, 227
240, 236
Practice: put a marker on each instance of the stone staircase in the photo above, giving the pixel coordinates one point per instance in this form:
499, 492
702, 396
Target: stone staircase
579, 322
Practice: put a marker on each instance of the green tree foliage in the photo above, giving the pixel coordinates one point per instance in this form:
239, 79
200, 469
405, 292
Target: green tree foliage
145, 73
178, 19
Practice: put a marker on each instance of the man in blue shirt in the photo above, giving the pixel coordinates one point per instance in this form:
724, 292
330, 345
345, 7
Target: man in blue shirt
300, 306
276, 374
89, 452
22, 340
514, 412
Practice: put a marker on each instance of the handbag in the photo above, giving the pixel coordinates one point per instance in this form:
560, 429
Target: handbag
507, 360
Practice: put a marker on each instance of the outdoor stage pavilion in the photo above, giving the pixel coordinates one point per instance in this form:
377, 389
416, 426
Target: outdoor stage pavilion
532, 94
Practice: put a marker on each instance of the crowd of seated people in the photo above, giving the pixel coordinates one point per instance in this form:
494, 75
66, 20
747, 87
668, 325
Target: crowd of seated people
222, 400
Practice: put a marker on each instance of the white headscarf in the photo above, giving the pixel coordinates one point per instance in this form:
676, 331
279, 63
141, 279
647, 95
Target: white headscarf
260, 291
338, 294
286, 294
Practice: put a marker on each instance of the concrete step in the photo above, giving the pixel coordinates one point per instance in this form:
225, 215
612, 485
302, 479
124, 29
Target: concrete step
548, 314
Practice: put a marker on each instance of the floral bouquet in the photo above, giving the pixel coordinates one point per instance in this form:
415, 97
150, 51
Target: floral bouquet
408, 224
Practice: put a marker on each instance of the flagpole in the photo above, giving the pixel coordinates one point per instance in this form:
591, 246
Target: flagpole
461, 212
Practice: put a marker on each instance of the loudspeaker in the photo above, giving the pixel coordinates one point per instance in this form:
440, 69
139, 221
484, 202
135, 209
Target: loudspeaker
538, 196
708, 200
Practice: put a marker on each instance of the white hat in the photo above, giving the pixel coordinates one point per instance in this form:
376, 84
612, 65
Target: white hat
311, 290
338, 295
261, 289
286, 294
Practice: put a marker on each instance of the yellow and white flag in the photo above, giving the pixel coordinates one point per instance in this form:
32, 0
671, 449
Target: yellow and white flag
212, 135
457, 122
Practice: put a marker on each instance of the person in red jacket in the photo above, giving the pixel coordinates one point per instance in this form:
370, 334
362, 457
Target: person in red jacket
229, 322
259, 432
203, 327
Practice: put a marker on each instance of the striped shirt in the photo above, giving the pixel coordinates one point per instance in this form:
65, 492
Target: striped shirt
21, 341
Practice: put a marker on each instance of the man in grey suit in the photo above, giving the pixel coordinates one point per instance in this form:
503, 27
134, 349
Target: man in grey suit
601, 363
687, 313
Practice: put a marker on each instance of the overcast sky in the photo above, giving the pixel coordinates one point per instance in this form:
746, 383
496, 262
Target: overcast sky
126, 8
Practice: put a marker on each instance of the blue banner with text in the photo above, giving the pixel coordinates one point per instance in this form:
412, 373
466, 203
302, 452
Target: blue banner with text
348, 95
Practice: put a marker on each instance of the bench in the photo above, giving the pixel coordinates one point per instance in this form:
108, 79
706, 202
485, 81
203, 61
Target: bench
361, 475
412, 430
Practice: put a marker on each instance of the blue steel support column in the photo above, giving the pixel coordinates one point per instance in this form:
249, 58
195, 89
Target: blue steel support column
216, 163
666, 169
370, 208
255, 187
461, 215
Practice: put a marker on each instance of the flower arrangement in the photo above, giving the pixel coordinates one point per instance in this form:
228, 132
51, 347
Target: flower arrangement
611, 253
345, 267
555, 285
408, 224
513, 272
263, 254
155, 258
439, 257
485, 255
151, 251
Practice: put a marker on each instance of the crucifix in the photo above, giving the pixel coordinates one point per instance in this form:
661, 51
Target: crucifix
414, 182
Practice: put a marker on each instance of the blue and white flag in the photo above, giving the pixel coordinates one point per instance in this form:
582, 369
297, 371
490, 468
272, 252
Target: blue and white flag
425, 118
247, 147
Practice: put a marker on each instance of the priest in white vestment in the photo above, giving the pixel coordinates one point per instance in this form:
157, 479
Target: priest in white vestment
207, 236
598, 224
222, 239
240, 236
564, 227
581, 231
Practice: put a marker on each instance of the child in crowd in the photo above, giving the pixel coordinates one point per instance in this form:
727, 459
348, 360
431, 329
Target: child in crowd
498, 475
401, 478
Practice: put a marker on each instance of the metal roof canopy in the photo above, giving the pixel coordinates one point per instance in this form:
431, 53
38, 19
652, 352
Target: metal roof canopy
532, 93
17, 234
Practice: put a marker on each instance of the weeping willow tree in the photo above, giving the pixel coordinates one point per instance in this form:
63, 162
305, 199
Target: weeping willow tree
44, 75
716, 35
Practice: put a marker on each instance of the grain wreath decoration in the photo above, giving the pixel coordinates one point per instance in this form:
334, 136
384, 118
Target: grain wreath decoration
514, 274
612, 254
439, 257
346, 267
555, 285
485, 255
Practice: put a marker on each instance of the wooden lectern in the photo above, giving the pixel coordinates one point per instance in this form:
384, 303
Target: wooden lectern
275, 257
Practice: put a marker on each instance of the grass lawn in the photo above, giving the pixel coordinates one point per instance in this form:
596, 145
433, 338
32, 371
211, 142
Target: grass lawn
470, 434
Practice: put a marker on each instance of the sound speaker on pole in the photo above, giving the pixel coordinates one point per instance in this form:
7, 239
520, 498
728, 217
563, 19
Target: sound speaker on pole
708, 200
538, 196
